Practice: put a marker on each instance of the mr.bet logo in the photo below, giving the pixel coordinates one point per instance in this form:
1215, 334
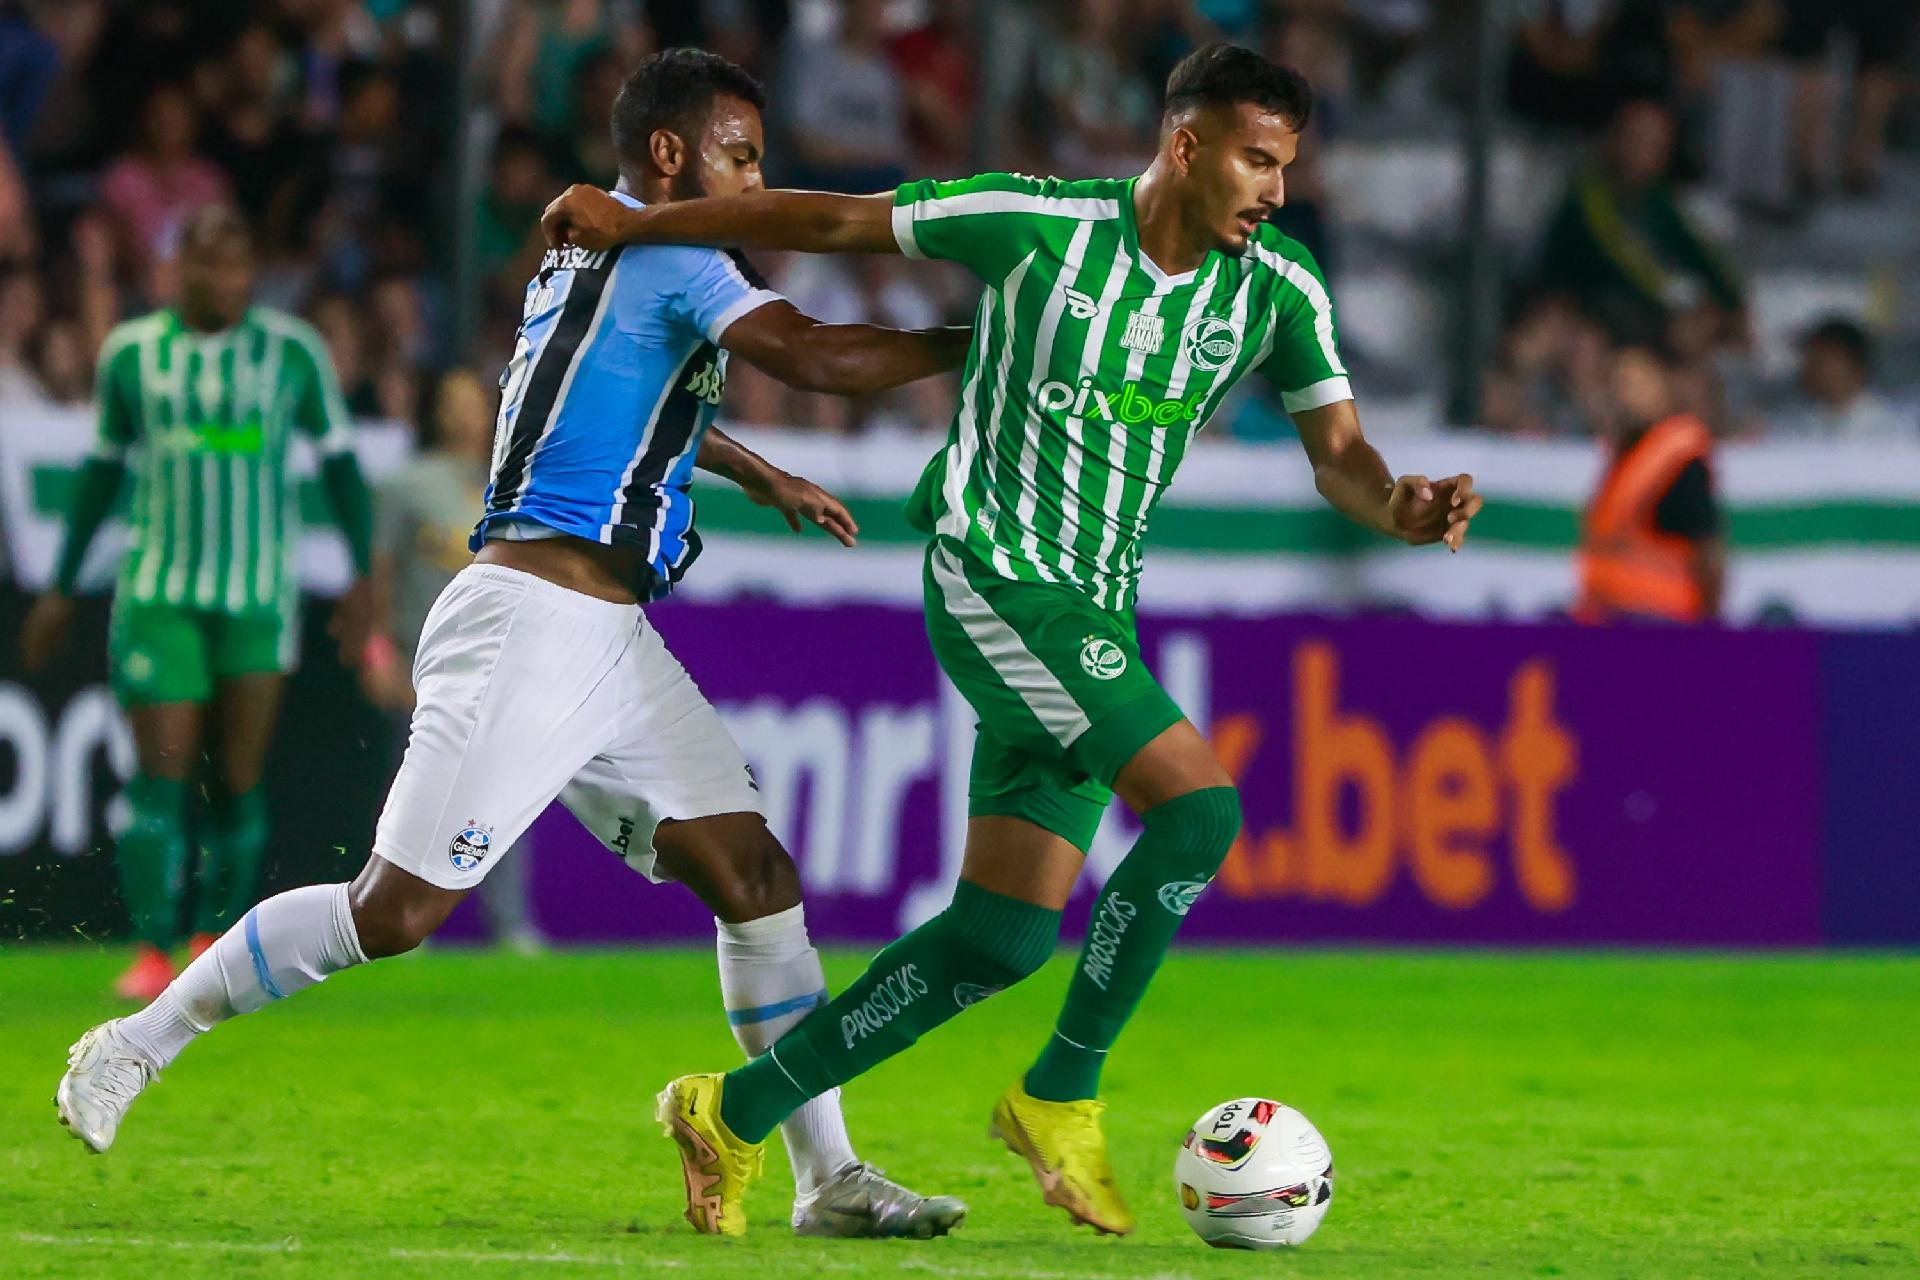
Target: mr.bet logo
469, 847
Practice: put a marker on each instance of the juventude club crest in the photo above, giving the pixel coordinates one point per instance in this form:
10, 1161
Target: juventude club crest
1102, 658
1210, 343
1145, 332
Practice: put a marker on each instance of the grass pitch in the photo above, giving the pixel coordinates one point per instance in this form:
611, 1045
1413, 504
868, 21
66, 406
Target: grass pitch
478, 1115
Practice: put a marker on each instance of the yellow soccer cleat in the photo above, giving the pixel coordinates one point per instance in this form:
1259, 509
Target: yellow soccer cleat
719, 1166
1062, 1143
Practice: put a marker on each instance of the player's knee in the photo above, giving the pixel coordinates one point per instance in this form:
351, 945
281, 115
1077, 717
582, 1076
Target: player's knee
390, 923
1000, 957
1198, 827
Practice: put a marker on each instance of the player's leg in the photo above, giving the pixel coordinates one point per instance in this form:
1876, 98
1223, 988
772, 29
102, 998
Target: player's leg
158, 668
490, 689
1190, 814
675, 799
245, 709
770, 979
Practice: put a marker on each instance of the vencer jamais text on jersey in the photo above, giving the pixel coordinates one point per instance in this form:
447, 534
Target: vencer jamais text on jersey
1092, 369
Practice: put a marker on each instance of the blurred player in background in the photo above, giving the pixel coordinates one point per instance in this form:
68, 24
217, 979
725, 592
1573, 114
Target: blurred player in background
539, 677
1117, 314
423, 515
207, 395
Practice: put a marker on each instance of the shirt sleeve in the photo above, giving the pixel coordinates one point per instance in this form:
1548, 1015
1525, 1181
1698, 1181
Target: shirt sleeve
721, 286
987, 223
1304, 364
117, 391
319, 409
1689, 509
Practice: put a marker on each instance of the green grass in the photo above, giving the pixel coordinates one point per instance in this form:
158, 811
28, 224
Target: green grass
482, 1116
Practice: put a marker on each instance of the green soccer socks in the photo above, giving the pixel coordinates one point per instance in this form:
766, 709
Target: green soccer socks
152, 855
231, 849
1134, 920
982, 942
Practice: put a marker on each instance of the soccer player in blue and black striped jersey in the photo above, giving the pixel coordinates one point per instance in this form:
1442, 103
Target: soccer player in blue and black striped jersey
537, 674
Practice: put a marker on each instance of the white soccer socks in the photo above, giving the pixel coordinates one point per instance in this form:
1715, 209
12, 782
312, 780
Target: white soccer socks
770, 979
285, 944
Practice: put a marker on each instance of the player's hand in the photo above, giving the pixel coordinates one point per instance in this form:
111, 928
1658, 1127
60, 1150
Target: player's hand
45, 632
803, 502
1422, 510
585, 216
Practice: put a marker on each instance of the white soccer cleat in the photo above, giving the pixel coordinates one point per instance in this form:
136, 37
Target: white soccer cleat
104, 1076
861, 1202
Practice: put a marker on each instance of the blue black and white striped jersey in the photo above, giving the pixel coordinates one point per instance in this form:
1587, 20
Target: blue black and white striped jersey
615, 376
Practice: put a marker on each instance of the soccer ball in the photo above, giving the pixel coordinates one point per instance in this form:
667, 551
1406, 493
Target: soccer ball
1253, 1174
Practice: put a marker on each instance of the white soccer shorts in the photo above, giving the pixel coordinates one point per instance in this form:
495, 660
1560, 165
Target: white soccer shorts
528, 691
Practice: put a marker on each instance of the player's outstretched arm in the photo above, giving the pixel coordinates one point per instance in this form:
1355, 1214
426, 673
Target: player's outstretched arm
841, 359
45, 631
801, 221
1353, 478
801, 501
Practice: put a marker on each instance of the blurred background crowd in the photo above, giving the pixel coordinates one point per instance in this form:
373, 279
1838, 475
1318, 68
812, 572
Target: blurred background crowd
1505, 196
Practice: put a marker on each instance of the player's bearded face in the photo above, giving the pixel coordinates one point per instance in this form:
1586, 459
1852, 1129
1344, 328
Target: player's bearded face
725, 159
1235, 164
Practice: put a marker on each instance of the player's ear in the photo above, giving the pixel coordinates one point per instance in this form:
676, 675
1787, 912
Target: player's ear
669, 154
1181, 146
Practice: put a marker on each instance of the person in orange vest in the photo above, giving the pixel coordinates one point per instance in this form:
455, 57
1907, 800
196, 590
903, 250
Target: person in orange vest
1651, 545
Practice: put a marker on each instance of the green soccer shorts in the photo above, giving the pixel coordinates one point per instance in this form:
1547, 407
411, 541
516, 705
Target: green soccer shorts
1063, 696
165, 653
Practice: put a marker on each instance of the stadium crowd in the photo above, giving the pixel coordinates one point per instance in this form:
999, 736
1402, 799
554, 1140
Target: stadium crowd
332, 124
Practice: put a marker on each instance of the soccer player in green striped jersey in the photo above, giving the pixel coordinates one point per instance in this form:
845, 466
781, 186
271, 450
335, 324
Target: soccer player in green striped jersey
205, 396
1116, 316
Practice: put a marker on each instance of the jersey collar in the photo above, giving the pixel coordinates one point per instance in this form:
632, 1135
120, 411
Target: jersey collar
1130, 227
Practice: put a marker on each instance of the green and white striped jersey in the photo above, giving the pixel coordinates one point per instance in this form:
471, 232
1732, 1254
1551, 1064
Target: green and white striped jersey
209, 416
1092, 369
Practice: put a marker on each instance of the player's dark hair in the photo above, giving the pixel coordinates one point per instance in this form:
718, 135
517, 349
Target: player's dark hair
1224, 75
674, 89
1845, 336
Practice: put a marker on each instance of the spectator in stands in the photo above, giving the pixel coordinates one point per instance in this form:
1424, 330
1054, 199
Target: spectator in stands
542, 47
63, 362
1100, 113
935, 64
1621, 243
1835, 402
337, 318
507, 237
151, 190
1651, 546
29, 61
22, 310
1881, 32
253, 137
1574, 62
587, 154
1552, 373
842, 106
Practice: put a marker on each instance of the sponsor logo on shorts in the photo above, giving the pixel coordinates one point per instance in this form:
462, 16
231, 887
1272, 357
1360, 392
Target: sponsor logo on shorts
1210, 343
968, 994
893, 994
1102, 658
470, 847
622, 843
1180, 895
1109, 925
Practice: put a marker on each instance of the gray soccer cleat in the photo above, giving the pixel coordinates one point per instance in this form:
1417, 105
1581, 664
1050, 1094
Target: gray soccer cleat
104, 1076
860, 1201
